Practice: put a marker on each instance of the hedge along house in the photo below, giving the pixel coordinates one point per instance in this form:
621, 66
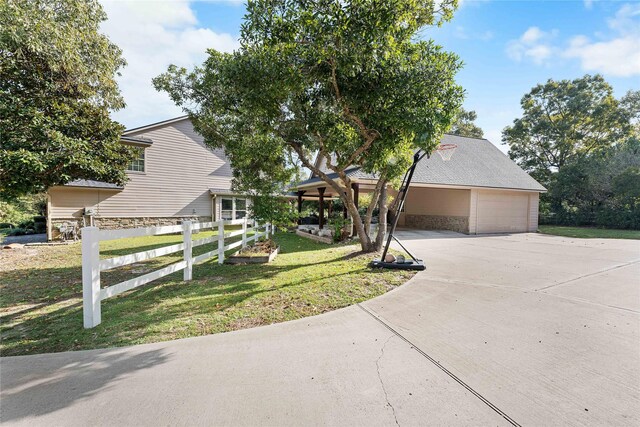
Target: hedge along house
480, 190
175, 178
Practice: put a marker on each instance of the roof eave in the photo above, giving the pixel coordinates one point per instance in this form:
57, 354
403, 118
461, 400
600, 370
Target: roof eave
89, 187
138, 142
157, 124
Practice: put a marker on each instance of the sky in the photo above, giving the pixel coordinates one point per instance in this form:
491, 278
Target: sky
507, 46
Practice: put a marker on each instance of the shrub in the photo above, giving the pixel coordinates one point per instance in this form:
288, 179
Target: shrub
338, 225
27, 224
18, 232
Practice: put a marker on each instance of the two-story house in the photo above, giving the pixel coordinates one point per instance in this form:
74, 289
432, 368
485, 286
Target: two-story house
175, 177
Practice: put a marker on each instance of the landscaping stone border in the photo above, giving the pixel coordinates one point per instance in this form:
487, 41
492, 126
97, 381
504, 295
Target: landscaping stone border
236, 258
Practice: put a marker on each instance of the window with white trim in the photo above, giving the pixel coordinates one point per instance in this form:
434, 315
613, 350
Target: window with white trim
233, 208
241, 208
137, 165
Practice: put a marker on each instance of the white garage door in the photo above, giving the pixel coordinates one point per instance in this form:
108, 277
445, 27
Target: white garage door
502, 212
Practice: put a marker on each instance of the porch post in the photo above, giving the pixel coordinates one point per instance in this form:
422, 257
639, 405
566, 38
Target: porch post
321, 206
300, 193
356, 194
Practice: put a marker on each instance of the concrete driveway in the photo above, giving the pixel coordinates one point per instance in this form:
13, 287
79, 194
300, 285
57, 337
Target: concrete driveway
502, 330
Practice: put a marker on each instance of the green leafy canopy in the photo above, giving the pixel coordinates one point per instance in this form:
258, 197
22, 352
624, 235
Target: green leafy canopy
347, 80
566, 119
465, 126
57, 87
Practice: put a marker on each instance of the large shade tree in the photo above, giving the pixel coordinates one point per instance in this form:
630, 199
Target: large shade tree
56, 90
563, 120
465, 124
345, 79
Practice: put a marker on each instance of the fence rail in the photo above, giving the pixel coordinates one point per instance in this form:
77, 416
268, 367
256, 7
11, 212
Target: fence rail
93, 294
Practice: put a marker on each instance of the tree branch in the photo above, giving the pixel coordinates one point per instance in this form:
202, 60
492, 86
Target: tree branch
369, 135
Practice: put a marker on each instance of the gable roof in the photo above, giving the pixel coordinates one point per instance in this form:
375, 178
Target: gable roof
156, 124
475, 163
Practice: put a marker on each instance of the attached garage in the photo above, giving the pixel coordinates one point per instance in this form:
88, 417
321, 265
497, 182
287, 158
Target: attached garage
480, 190
505, 212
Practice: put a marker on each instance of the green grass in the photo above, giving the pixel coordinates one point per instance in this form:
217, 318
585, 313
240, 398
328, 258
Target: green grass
589, 233
41, 293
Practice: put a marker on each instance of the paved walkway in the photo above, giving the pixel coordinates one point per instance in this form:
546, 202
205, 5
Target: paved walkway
29, 238
502, 330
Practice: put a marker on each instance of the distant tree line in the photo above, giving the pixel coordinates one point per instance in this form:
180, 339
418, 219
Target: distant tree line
583, 144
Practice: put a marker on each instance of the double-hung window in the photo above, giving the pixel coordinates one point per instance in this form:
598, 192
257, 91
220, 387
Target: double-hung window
233, 208
137, 165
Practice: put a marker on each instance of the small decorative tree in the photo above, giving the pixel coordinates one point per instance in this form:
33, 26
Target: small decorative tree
275, 210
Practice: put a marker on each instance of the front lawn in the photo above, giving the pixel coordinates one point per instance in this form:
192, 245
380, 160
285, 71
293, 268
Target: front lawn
41, 293
589, 232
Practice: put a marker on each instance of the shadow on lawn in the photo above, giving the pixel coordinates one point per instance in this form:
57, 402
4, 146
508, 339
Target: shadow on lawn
129, 318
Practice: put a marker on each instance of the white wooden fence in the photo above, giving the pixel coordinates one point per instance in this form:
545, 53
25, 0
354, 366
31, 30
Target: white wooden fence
92, 265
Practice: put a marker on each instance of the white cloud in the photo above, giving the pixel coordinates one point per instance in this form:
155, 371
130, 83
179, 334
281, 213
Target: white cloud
534, 44
618, 56
532, 35
588, 4
153, 35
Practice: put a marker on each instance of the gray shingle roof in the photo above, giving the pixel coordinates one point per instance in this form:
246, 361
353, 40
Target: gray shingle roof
355, 173
221, 191
475, 163
87, 183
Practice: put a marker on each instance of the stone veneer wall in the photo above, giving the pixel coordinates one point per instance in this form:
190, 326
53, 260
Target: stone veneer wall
115, 223
127, 222
438, 222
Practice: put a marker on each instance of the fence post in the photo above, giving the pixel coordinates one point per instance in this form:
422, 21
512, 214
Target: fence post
188, 249
221, 242
244, 233
91, 277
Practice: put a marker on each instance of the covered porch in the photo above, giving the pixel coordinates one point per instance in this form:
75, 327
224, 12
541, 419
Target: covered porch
315, 189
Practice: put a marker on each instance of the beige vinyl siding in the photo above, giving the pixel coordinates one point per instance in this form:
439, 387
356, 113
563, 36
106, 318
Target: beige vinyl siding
437, 201
534, 201
179, 170
473, 211
502, 211
68, 202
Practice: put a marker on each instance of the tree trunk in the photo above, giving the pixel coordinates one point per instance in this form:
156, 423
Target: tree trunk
367, 243
382, 218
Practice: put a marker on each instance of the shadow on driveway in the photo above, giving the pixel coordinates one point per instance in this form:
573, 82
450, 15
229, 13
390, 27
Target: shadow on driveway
68, 379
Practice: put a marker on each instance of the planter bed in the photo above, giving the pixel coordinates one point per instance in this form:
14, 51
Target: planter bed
246, 256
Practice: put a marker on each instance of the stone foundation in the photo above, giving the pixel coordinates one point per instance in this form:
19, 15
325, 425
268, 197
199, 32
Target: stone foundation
125, 222
136, 222
459, 224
